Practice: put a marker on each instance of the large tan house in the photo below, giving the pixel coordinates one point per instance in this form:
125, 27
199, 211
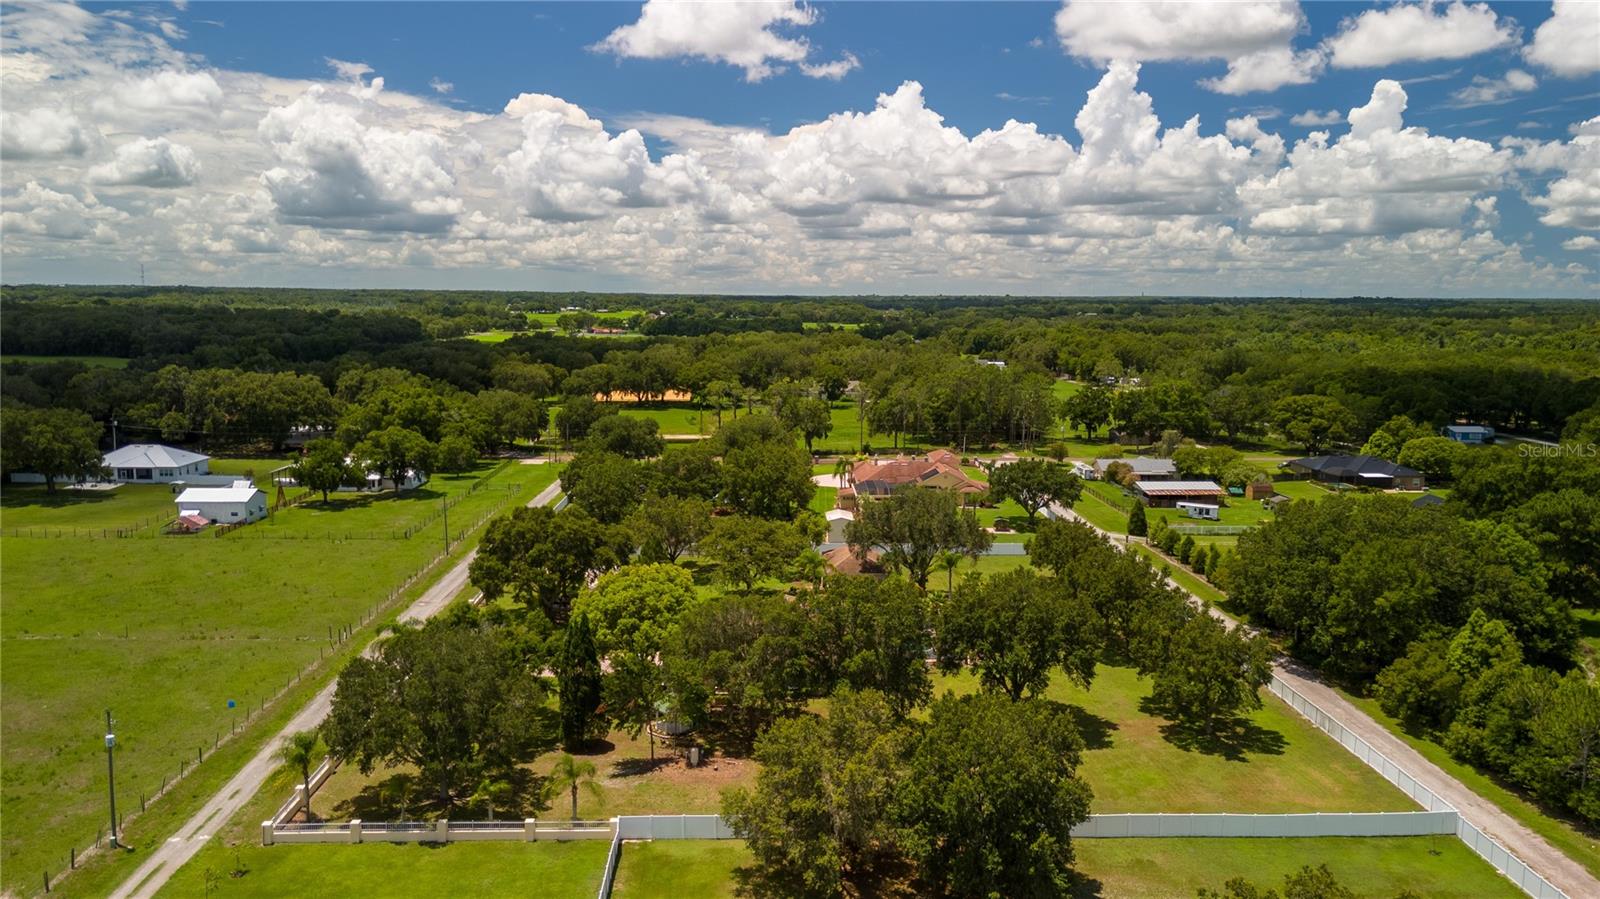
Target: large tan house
881, 477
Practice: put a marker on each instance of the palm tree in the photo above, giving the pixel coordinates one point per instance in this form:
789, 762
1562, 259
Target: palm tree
948, 560
844, 472
811, 566
570, 774
489, 792
300, 751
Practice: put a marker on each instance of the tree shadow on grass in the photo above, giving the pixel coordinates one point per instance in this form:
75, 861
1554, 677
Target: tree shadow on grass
1095, 730
14, 497
1235, 739
1085, 887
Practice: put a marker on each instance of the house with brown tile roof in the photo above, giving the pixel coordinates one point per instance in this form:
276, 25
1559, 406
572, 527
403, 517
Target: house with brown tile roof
940, 468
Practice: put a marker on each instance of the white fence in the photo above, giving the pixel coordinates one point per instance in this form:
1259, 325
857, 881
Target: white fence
1323, 824
297, 802
520, 830
1481, 843
673, 827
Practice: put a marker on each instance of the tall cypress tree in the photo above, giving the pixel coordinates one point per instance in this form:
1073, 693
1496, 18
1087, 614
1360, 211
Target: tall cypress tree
578, 682
1137, 526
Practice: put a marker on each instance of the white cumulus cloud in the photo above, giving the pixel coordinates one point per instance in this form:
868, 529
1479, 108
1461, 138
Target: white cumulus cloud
1568, 43
1315, 118
41, 133
745, 34
149, 163
1484, 91
339, 171
1411, 32
1252, 36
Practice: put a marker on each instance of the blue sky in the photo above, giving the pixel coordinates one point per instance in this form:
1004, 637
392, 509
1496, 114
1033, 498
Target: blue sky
143, 161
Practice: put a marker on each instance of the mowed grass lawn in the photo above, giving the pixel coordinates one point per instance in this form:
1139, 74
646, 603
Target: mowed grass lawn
1438, 867
676, 869
1281, 764
164, 631
549, 870
628, 786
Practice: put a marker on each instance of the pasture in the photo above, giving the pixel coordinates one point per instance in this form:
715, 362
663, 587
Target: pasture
165, 630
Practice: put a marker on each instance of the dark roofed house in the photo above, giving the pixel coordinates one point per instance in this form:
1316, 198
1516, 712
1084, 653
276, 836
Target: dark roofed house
1357, 471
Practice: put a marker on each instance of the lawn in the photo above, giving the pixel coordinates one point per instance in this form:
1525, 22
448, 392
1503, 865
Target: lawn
629, 785
166, 630
824, 499
1278, 762
371, 870
1439, 867
677, 418
671, 869
1101, 514
495, 336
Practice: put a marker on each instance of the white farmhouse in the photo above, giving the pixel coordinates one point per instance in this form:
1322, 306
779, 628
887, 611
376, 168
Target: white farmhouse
240, 503
152, 463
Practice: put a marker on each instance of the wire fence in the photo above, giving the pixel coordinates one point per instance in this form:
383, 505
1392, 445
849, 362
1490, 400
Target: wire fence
251, 710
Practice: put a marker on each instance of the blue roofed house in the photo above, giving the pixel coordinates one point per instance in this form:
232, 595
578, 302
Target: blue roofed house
1470, 433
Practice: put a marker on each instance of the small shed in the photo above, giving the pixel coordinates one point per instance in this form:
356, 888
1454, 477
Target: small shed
243, 502
1167, 494
1258, 489
838, 520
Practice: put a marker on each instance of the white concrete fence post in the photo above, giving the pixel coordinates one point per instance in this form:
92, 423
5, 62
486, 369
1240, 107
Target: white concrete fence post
355, 830
530, 829
266, 833
441, 830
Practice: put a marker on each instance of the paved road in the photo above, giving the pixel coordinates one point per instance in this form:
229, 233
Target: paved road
219, 809
1566, 874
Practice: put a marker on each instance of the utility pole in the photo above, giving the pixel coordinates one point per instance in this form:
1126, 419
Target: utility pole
113, 434
141, 274
111, 777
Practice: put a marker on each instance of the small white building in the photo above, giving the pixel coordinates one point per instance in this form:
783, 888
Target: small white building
1204, 511
152, 463
838, 520
243, 502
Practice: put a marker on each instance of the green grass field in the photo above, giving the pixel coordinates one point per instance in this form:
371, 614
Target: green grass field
628, 786
1279, 763
376, 870
1436, 867
677, 418
672, 869
494, 336
90, 361
165, 630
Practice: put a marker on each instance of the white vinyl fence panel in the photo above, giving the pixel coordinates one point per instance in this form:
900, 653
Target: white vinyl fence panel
1485, 846
1324, 824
